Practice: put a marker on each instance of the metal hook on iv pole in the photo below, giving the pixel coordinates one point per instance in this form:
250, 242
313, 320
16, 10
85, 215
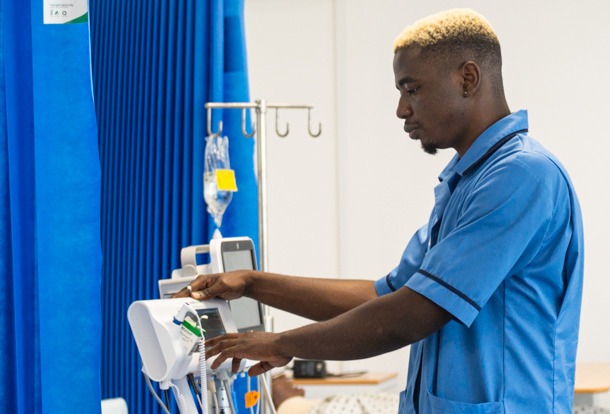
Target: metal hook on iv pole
277, 127
210, 133
317, 134
244, 131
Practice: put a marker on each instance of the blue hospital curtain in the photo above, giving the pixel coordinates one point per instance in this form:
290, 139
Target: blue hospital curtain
155, 64
50, 255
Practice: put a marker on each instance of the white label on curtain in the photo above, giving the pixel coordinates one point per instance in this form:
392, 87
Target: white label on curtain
61, 12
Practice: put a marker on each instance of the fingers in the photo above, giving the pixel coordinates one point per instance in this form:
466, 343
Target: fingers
219, 360
235, 365
221, 346
200, 288
228, 352
253, 345
259, 369
183, 293
215, 345
227, 286
203, 294
189, 291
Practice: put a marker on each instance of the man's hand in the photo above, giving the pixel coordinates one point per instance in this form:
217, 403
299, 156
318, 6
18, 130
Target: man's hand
257, 346
228, 286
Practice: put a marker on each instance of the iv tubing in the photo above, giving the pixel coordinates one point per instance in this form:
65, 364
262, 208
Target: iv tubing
202, 365
267, 394
180, 399
212, 387
195, 389
229, 397
154, 393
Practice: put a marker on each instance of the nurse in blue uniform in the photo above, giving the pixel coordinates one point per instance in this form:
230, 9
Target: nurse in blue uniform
488, 292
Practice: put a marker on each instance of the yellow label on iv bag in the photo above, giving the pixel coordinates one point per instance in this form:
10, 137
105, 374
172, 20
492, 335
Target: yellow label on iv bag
225, 180
252, 398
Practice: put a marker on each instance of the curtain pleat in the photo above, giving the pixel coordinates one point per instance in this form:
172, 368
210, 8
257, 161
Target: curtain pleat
50, 254
155, 64
20, 352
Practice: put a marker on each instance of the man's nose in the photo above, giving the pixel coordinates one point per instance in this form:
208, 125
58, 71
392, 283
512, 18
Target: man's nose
404, 109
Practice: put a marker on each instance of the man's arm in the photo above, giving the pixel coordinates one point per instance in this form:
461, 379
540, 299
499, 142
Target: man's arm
313, 298
378, 326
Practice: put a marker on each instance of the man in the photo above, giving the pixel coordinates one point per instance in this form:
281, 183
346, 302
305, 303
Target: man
488, 292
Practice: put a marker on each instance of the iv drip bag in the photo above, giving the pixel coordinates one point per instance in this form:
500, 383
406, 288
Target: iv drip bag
218, 178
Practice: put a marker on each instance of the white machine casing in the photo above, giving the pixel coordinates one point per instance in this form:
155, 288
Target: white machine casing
158, 338
190, 269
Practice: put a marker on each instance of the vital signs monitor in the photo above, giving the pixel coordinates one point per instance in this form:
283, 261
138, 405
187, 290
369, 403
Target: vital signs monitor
170, 333
226, 255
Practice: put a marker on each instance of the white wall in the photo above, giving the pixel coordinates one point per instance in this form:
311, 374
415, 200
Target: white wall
345, 204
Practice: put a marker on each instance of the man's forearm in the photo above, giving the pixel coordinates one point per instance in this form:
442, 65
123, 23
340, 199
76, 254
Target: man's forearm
313, 298
385, 324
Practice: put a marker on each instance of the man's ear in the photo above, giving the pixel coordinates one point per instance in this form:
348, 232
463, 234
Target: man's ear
471, 77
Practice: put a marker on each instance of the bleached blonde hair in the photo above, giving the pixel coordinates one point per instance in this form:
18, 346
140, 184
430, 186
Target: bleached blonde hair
457, 26
454, 36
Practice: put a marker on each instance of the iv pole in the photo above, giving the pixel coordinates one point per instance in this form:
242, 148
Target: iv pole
260, 130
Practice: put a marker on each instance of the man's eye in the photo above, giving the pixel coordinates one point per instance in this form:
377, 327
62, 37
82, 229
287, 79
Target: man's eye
412, 91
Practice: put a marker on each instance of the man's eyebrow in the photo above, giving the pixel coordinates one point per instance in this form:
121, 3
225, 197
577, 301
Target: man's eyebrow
406, 79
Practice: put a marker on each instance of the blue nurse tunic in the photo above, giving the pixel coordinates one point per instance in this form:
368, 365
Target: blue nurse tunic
503, 254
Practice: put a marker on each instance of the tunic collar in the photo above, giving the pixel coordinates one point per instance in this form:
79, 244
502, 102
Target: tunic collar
486, 142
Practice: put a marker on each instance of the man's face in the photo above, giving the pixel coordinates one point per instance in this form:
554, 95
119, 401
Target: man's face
431, 101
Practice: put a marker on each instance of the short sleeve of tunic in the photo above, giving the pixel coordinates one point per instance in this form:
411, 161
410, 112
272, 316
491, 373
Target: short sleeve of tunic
497, 223
410, 261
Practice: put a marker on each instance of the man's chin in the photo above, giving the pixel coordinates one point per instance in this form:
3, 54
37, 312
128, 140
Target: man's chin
429, 148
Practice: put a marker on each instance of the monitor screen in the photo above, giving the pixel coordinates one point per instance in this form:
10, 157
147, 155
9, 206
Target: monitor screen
246, 311
237, 260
